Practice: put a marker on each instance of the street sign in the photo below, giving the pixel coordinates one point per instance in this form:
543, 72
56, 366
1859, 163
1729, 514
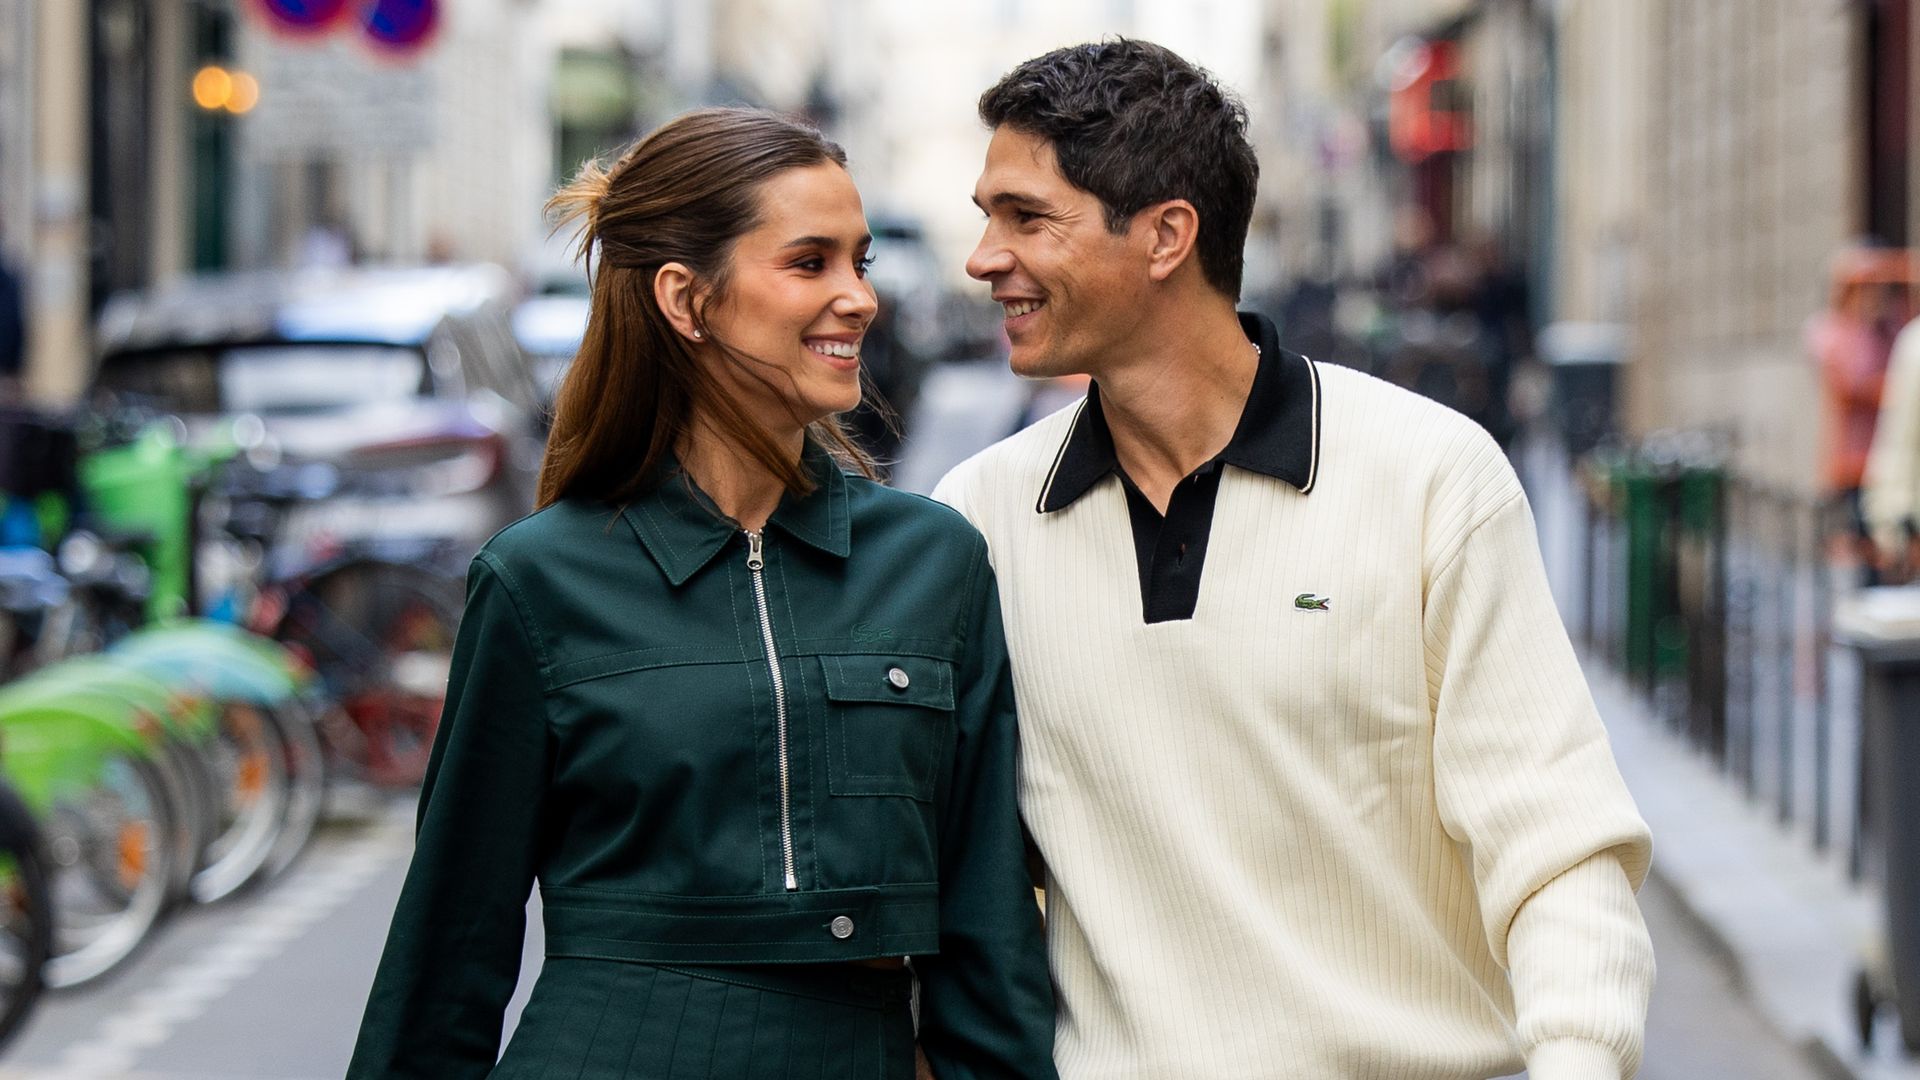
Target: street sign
334, 96
402, 25
302, 16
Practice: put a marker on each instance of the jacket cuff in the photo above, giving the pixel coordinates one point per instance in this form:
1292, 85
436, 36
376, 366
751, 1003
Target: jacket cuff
1572, 1059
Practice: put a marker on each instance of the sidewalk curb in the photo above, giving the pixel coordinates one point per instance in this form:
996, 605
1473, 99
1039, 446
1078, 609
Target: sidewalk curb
1812, 1049
1785, 924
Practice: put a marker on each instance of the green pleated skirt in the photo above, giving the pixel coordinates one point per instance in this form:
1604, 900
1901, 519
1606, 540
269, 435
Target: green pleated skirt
608, 1020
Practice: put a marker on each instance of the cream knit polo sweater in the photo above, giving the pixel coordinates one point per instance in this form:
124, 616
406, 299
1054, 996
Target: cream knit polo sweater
1383, 840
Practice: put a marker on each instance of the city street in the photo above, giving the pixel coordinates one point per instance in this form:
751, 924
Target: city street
271, 986
302, 301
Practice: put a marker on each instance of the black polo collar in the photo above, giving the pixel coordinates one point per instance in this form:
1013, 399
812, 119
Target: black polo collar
1278, 434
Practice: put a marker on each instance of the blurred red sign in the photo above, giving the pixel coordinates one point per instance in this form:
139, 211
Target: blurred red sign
402, 25
1426, 112
302, 16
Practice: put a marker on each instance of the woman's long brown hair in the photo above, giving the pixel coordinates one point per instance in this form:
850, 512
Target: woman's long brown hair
685, 194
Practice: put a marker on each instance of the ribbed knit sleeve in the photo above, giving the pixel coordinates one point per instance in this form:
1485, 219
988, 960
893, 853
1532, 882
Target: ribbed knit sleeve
1525, 781
1582, 967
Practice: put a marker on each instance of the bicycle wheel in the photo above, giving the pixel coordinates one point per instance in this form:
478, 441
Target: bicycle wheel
183, 772
248, 762
306, 772
111, 867
26, 914
381, 636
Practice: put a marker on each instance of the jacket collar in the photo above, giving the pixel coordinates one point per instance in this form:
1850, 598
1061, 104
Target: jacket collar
1278, 434
683, 530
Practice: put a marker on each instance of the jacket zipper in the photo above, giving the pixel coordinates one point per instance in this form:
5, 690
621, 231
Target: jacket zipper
756, 564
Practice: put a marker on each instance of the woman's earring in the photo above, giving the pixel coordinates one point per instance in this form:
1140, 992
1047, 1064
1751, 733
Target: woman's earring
697, 335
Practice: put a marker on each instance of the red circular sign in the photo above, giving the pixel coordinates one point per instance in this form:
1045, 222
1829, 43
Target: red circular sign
402, 25
302, 16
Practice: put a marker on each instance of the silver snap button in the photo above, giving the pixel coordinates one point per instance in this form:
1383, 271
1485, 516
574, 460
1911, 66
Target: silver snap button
841, 927
898, 678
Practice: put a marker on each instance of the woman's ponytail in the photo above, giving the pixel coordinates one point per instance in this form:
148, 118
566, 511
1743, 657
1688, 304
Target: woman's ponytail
576, 206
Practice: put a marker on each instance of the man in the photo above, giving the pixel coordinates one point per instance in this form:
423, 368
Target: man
1319, 788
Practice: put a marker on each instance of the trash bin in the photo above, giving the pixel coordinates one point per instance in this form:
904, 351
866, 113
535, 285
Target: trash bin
1882, 626
1585, 360
1647, 491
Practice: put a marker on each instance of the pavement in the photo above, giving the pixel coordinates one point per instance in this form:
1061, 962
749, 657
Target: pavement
1788, 923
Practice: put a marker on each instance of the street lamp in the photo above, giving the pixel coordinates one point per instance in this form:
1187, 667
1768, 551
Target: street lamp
215, 88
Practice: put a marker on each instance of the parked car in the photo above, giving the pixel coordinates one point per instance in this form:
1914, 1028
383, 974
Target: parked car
410, 376
549, 328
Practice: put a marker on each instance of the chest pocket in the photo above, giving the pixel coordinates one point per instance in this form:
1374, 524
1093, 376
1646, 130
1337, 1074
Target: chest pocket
889, 723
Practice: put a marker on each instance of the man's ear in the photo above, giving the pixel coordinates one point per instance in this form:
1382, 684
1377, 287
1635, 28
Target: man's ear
674, 290
1174, 229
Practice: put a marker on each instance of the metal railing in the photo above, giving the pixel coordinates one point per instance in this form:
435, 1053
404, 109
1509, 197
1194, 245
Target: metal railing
1714, 595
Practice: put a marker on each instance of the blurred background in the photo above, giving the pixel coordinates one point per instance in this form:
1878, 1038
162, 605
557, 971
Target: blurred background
280, 322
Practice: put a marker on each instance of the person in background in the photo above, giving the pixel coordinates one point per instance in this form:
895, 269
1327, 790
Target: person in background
1502, 304
13, 331
1850, 342
1889, 494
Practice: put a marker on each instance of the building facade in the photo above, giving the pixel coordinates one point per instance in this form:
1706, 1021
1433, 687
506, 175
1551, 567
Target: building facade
1754, 176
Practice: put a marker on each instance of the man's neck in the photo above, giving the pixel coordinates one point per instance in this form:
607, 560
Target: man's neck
1173, 404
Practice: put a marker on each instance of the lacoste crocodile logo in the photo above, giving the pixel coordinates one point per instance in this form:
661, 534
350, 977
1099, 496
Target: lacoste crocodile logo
868, 634
1306, 601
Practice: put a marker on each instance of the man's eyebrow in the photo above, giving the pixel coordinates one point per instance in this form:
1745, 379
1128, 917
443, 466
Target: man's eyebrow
825, 242
1012, 198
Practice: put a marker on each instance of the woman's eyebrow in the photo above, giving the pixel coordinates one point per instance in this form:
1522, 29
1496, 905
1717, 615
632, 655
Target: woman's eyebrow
825, 241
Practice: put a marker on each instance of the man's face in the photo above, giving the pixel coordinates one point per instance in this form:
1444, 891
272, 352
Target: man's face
1069, 289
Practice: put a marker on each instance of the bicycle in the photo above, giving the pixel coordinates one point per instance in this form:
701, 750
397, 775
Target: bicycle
26, 913
373, 617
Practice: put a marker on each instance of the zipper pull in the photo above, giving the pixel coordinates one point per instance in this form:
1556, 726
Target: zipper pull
755, 558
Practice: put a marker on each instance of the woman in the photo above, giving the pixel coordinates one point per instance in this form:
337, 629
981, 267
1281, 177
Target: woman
747, 719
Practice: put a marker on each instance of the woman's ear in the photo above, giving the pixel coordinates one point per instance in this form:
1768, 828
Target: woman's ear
673, 291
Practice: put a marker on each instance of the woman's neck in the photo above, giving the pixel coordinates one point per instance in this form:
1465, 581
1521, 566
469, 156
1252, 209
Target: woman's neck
739, 486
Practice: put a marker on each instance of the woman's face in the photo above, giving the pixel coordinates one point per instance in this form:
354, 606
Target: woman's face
797, 300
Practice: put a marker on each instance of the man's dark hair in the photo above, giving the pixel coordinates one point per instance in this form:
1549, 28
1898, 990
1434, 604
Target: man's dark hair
1134, 124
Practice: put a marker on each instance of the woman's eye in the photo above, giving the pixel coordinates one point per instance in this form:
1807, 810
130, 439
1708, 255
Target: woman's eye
813, 263
863, 264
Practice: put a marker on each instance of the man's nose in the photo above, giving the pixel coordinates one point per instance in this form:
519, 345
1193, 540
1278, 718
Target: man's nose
988, 260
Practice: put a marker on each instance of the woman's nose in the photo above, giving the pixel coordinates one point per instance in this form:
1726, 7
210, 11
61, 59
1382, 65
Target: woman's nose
858, 302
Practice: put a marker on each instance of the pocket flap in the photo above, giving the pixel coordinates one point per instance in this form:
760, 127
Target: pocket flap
879, 677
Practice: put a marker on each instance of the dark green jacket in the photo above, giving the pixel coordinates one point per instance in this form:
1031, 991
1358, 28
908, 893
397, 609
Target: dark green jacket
612, 729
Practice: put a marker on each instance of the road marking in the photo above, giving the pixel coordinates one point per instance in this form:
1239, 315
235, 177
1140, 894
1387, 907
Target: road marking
318, 889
